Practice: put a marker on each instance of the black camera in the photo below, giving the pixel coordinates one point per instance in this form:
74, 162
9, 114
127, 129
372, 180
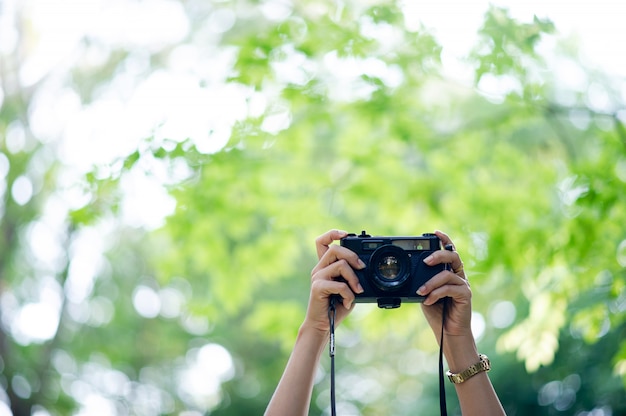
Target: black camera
395, 267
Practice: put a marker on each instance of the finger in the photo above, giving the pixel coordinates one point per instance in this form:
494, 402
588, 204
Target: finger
446, 257
323, 289
445, 239
450, 256
445, 278
336, 253
323, 242
460, 293
339, 269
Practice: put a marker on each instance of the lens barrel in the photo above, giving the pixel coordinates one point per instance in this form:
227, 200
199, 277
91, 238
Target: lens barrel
389, 267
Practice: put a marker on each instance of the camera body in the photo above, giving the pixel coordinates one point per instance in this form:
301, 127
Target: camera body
395, 267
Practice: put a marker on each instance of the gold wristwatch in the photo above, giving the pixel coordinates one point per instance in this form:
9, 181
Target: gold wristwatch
483, 365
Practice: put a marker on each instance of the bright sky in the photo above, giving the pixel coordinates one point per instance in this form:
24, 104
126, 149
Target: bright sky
599, 24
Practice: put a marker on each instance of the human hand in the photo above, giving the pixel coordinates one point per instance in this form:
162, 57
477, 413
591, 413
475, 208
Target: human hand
448, 283
335, 262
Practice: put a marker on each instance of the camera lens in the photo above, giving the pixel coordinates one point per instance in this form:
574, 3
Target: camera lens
389, 267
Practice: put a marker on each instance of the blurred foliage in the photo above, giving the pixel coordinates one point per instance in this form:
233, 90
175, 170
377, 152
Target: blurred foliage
360, 129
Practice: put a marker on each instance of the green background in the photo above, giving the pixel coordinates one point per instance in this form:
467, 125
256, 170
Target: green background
529, 182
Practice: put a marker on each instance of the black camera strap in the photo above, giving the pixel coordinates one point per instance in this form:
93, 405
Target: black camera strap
442, 388
332, 312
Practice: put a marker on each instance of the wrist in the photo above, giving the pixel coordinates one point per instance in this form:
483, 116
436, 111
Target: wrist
460, 352
312, 334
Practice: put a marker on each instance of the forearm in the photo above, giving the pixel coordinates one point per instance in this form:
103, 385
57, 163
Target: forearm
293, 394
476, 395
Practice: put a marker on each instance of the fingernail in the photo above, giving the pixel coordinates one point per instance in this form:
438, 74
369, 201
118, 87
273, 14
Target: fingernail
361, 264
421, 290
359, 288
428, 259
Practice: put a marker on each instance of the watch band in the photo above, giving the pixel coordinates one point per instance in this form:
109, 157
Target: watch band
483, 365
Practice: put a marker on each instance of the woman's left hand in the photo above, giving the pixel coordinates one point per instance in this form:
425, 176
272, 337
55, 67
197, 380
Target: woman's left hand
452, 284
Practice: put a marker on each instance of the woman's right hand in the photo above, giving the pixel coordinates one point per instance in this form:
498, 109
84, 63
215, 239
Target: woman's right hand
333, 275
